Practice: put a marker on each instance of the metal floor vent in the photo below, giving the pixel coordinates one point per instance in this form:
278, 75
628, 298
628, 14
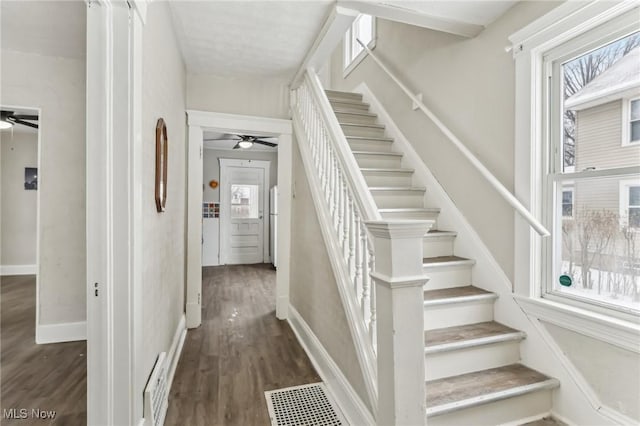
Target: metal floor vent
306, 405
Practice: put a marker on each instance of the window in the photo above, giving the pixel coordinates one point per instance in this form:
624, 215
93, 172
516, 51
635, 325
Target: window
244, 201
586, 260
634, 121
364, 29
567, 202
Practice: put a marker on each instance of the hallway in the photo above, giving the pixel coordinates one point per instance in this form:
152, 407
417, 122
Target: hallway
240, 350
46, 377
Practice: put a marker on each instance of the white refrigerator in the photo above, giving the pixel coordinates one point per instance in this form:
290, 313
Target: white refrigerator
273, 225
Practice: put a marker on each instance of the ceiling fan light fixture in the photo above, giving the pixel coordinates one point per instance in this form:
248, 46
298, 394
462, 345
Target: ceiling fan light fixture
245, 144
5, 124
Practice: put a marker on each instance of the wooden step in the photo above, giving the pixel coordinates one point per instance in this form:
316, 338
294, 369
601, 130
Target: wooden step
375, 159
387, 197
360, 117
447, 271
477, 398
336, 94
363, 143
438, 243
545, 421
349, 105
365, 130
452, 351
424, 213
377, 176
449, 307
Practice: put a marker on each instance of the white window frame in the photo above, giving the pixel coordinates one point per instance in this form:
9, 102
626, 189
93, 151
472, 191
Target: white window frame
351, 62
529, 47
626, 122
625, 186
572, 190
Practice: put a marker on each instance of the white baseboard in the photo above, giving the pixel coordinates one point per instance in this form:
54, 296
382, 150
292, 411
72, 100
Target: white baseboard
62, 332
337, 384
18, 270
176, 349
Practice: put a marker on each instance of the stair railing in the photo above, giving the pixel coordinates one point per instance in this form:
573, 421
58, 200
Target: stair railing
493, 181
349, 204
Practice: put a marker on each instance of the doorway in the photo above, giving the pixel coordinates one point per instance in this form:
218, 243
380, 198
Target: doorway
199, 122
244, 206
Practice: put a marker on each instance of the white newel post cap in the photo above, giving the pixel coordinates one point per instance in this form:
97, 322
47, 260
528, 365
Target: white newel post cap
398, 251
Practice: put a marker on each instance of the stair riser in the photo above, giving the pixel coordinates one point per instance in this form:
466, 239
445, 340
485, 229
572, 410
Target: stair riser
379, 161
432, 247
453, 363
344, 96
412, 216
349, 106
362, 131
456, 314
371, 145
388, 179
457, 276
356, 118
398, 199
499, 412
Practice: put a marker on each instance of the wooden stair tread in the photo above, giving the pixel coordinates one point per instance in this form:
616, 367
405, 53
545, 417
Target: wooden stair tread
457, 292
409, 209
443, 259
397, 188
350, 95
471, 389
484, 331
338, 110
546, 421
381, 153
385, 170
370, 138
371, 125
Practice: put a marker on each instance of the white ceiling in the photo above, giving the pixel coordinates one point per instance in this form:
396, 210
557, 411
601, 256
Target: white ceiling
479, 12
53, 28
247, 38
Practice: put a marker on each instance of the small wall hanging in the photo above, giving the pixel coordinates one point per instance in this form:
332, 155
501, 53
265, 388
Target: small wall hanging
213, 184
31, 178
161, 165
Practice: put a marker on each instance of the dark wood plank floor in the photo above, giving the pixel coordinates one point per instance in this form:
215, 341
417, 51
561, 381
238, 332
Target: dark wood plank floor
45, 377
239, 351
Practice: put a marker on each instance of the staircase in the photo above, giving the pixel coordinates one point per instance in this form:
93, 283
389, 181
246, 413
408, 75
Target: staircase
472, 369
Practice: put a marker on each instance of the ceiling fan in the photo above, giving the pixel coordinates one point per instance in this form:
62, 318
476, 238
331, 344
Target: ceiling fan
8, 119
247, 141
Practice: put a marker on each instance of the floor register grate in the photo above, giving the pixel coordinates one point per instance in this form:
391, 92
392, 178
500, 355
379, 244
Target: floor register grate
306, 405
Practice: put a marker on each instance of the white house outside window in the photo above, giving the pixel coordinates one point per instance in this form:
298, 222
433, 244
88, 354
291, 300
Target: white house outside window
633, 207
364, 29
634, 121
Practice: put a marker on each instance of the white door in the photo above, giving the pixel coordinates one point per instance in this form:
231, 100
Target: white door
244, 211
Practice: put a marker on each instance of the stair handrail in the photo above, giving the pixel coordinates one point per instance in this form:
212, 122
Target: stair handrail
363, 196
493, 181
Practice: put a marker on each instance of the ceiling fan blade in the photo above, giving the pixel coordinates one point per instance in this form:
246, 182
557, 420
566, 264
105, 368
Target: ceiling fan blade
224, 140
237, 146
265, 143
25, 117
24, 123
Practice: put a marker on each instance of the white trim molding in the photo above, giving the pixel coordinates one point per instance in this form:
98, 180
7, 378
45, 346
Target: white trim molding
61, 332
173, 356
6, 270
337, 384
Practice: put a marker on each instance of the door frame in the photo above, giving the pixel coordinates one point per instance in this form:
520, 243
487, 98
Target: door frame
224, 200
198, 122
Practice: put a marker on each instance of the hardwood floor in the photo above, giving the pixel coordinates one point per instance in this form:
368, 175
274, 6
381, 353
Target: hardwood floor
45, 377
239, 351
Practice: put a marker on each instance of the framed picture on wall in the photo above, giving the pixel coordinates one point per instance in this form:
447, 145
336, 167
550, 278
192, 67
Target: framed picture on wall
31, 178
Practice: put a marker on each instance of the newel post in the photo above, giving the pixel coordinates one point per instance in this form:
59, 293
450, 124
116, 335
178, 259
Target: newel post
399, 284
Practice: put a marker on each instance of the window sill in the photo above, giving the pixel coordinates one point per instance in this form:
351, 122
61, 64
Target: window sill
621, 333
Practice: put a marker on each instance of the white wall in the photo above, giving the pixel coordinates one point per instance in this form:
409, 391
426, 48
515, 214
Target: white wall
266, 97
211, 167
57, 86
19, 206
163, 240
313, 290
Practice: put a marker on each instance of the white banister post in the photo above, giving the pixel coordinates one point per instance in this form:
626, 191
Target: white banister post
399, 281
